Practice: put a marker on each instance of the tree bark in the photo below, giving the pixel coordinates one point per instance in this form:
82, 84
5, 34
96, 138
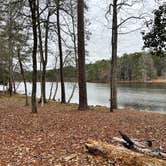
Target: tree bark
63, 97
81, 57
114, 59
33, 8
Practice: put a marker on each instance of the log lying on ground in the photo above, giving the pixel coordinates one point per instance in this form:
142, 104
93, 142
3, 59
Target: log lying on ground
141, 147
136, 142
122, 155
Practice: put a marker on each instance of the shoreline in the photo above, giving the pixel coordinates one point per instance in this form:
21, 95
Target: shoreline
95, 107
90, 106
153, 81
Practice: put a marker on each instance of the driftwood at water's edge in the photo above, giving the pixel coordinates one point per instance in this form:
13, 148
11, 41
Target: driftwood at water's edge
121, 154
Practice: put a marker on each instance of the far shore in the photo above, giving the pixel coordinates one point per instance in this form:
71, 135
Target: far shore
158, 80
149, 81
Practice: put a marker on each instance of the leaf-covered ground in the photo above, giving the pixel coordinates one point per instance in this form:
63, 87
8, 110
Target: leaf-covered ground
57, 134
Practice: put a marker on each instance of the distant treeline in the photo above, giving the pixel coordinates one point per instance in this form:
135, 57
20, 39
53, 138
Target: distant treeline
138, 66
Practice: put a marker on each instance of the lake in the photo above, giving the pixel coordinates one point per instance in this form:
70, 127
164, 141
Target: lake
141, 96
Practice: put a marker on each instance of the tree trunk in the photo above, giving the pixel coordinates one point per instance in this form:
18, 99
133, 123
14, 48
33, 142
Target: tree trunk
43, 97
33, 9
74, 39
10, 86
13, 82
45, 58
23, 76
52, 84
72, 93
114, 59
63, 98
10, 67
81, 57
56, 89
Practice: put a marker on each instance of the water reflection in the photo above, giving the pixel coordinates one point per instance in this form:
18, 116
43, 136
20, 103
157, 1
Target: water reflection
142, 96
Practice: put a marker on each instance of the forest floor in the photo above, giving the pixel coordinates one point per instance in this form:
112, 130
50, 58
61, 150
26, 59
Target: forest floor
56, 135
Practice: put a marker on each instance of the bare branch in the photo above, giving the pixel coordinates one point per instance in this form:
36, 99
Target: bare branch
108, 11
124, 4
129, 18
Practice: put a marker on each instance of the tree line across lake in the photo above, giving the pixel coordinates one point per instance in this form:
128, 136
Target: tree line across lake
139, 66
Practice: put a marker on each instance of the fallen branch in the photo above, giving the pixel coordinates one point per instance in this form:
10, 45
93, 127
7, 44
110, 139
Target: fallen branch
141, 147
121, 154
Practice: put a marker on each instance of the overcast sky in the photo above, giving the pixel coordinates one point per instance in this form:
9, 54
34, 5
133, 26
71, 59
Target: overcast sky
99, 46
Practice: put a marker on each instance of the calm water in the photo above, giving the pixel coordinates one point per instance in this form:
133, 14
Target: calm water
149, 97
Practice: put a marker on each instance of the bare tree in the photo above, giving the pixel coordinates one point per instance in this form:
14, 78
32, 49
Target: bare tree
114, 58
43, 52
33, 10
117, 6
63, 98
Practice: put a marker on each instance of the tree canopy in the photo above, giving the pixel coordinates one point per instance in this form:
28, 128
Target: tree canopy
155, 39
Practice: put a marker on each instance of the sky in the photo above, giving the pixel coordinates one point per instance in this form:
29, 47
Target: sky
99, 46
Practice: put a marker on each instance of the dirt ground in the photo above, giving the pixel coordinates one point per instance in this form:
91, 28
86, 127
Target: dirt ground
56, 135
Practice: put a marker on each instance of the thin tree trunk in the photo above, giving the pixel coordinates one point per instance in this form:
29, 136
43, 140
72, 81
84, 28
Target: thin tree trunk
10, 67
43, 98
13, 84
33, 9
10, 86
74, 39
56, 89
4, 89
63, 98
45, 58
114, 59
23, 76
72, 93
81, 57
52, 84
